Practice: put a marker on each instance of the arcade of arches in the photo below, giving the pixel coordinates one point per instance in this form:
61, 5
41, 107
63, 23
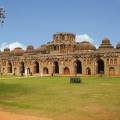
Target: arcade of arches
63, 56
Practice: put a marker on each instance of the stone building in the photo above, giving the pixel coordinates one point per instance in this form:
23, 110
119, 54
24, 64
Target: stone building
62, 56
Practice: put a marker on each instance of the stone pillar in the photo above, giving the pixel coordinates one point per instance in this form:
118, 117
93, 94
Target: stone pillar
73, 69
61, 67
106, 68
50, 68
83, 68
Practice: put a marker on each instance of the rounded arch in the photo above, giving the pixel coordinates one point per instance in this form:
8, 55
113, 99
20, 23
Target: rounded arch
111, 61
22, 67
36, 67
66, 71
78, 67
45, 70
88, 71
28, 71
9, 68
100, 68
56, 67
111, 71
14, 72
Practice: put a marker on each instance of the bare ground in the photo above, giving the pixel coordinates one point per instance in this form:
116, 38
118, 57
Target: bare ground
13, 116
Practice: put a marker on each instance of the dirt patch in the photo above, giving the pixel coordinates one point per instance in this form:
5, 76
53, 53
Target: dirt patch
13, 116
100, 112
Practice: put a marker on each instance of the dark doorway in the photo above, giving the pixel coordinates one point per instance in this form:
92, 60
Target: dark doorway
36, 67
14, 71
66, 71
9, 67
78, 67
100, 66
45, 70
56, 67
28, 71
22, 67
88, 71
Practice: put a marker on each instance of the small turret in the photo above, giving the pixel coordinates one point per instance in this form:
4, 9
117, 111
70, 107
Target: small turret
106, 44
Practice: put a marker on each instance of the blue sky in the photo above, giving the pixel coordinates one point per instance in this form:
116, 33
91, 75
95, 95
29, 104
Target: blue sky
35, 21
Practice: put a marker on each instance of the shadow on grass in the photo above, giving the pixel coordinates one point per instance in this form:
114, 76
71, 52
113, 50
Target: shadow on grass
12, 88
10, 94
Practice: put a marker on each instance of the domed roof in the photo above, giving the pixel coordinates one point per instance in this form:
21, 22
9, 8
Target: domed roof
30, 48
85, 45
106, 44
18, 51
106, 40
118, 46
7, 50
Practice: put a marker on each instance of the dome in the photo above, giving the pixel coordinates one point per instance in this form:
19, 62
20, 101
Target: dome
85, 45
7, 50
118, 46
30, 48
106, 40
18, 51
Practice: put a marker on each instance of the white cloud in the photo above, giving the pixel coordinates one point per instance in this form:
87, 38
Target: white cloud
12, 45
83, 37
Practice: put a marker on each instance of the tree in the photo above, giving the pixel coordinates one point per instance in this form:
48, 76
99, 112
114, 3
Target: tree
2, 15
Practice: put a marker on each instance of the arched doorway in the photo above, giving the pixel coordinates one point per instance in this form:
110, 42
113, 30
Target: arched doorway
36, 67
28, 71
56, 67
14, 73
66, 71
22, 67
88, 71
9, 67
111, 71
100, 69
45, 70
78, 67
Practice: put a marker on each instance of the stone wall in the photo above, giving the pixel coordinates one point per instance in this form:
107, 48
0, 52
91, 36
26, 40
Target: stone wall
62, 56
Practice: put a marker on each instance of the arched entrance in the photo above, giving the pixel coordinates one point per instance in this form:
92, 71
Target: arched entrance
9, 67
56, 67
28, 71
22, 67
66, 71
45, 70
100, 69
78, 67
14, 73
88, 71
36, 67
111, 71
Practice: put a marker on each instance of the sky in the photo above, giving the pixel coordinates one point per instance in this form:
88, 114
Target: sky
33, 22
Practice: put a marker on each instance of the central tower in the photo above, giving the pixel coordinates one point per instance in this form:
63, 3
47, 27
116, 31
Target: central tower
64, 37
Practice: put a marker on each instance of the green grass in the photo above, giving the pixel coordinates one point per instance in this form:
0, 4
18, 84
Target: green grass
54, 97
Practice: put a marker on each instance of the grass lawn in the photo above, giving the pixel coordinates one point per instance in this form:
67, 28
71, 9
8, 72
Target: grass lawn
54, 97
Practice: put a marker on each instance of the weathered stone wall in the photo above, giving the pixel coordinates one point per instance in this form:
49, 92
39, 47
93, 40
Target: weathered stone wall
62, 56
